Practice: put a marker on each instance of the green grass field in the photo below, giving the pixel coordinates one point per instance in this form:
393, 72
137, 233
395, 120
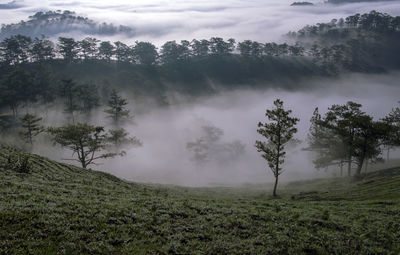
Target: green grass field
62, 209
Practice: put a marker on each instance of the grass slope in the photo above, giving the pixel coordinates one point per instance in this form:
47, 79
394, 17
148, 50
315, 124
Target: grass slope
61, 209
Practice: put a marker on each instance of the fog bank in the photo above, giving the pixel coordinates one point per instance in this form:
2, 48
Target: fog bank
159, 21
165, 132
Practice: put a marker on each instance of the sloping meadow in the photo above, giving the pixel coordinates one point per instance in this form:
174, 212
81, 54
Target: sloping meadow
48, 207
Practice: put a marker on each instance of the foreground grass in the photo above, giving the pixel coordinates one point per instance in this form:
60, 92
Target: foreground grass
61, 209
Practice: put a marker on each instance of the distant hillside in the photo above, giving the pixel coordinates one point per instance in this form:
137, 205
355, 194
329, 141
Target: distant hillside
52, 23
51, 208
365, 43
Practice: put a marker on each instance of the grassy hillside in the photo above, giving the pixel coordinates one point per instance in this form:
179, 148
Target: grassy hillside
53, 208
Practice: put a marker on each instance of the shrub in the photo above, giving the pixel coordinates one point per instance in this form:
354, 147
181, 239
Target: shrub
19, 162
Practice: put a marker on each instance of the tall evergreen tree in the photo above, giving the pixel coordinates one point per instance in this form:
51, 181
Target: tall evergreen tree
325, 143
68, 48
31, 127
42, 49
277, 132
145, 53
88, 47
70, 91
117, 108
106, 50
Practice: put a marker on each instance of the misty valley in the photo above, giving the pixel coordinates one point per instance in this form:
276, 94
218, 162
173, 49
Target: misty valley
201, 146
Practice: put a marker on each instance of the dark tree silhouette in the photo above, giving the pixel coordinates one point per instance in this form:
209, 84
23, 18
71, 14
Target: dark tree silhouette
277, 132
145, 53
31, 127
68, 48
117, 108
84, 140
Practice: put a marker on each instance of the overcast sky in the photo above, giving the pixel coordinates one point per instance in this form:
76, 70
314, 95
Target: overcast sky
161, 20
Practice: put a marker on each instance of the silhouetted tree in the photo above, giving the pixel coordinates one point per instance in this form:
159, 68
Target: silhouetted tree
88, 96
245, 48
42, 49
17, 88
70, 92
172, 52
325, 143
15, 49
106, 50
271, 49
277, 132
343, 120
31, 127
117, 107
200, 48
219, 47
203, 146
368, 140
84, 140
88, 47
119, 139
68, 48
145, 53
123, 52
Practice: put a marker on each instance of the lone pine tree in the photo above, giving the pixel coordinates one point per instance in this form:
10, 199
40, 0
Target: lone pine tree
86, 142
277, 132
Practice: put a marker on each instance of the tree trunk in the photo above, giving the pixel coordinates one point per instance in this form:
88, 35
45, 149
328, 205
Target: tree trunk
276, 184
362, 157
30, 136
366, 166
341, 168
360, 165
349, 166
387, 154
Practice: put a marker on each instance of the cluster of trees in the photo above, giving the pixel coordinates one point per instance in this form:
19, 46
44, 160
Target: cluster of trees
378, 22
87, 142
25, 87
357, 43
209, 147
344, 135
52, 23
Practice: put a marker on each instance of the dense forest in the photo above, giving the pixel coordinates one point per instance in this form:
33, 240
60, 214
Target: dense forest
84, 74
359, 43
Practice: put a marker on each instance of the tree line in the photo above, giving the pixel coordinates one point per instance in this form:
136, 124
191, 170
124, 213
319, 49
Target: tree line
378, 22
357, 43
19, 49
344, 135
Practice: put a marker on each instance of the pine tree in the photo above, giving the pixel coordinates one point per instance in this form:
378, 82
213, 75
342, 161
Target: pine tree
119, 138
31, 126
278, 132
70, 91
117, 109
86, 142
